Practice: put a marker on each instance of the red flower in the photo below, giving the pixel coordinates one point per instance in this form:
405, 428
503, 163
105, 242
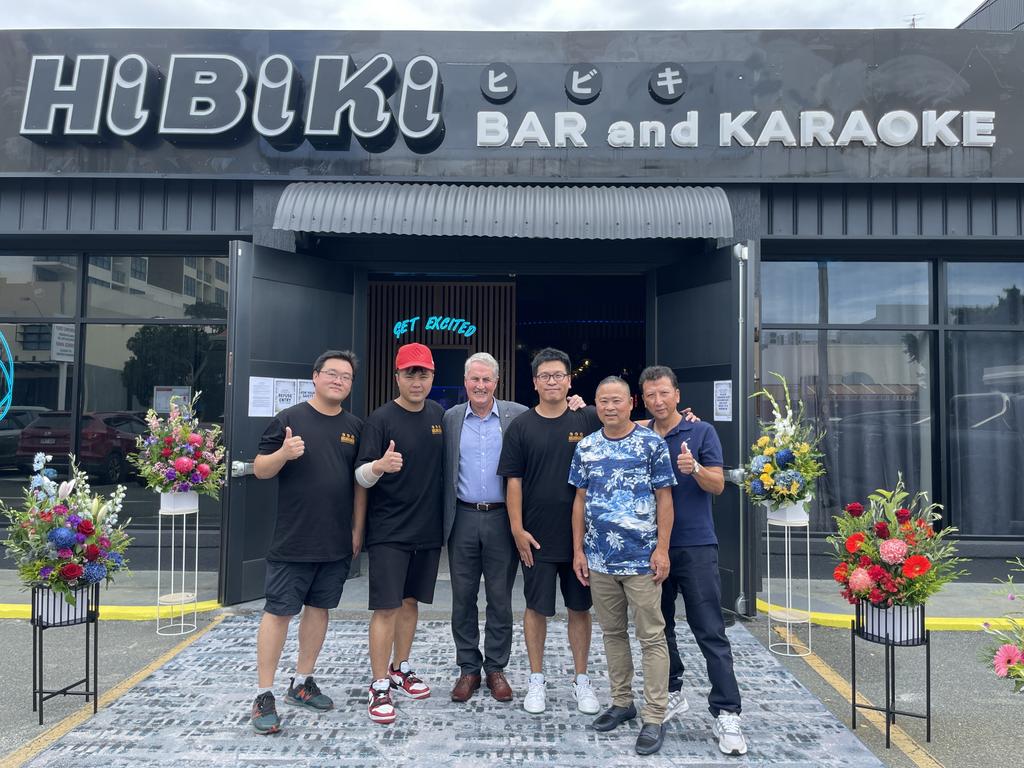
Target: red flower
168, 440
877, 573
876, 596
841, 573
902, 515
855, 509
882, 529
71, 571
853, 542
184, 465
165, 452
865, 561
203, 470
46, 516
194, 439
92, 552
86, 527
915, 565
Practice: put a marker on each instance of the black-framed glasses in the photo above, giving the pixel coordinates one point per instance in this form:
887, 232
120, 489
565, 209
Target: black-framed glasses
556, 377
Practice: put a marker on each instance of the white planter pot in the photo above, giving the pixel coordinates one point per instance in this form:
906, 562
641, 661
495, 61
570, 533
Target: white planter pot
902, 624
52, 608
794, 513
180, 503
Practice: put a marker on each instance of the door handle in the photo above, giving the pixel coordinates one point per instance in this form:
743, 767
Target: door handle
242, 468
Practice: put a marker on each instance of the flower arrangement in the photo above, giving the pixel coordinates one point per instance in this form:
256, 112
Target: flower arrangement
784, 461
178, 455
63, 536
889, 552
1007, 657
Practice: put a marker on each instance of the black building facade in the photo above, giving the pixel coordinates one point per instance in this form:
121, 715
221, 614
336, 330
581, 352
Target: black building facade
208, 210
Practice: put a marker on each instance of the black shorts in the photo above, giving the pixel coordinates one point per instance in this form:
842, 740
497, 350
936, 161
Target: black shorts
397, 574
291, 585
539, 588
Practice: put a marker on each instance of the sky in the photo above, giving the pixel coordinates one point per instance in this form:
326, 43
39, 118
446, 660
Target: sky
554, 15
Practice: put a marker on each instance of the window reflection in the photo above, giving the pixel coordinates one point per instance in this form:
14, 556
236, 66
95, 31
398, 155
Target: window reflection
789, 292
878, 292
38, 286
986, 293
157, 286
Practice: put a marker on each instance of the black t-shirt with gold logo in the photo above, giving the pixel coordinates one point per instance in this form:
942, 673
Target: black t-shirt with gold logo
404, 508
539, 450
314, 491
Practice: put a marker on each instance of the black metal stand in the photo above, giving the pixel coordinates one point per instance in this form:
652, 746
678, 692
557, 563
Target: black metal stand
49, 610
903, 629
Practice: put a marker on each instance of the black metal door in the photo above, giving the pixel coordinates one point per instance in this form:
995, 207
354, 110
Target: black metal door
286, 309
697, 333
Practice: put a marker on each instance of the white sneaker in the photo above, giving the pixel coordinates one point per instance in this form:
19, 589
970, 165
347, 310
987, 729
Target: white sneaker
535, 701
730, 736
677, 704
586, 698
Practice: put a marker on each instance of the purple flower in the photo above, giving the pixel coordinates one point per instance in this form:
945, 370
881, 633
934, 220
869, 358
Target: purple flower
184, 487
195, 478
45, 571
73, 520
170, 474
80, 538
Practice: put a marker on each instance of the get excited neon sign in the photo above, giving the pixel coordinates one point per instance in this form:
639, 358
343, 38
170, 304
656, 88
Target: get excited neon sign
456, 325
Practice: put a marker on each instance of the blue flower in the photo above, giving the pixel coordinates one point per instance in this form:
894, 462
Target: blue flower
787, 477
36, 482
758, 463
757, 487
95, 572
116, 560
784, 458
62, 538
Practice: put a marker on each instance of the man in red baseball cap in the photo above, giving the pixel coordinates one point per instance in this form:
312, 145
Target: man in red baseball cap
403, 523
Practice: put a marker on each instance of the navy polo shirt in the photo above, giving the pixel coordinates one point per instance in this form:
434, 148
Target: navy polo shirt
694, 526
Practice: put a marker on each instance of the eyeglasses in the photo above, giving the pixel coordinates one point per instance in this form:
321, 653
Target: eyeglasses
333, 375
556, 377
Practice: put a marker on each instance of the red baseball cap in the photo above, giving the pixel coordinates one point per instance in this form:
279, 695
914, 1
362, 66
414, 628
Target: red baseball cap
414, 356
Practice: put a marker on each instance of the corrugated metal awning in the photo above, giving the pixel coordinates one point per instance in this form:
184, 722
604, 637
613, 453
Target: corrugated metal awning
577, 212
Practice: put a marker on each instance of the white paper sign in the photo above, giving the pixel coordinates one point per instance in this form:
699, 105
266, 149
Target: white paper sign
62, 343
162, 397
306, 390
723, 400
284, 394
261, 396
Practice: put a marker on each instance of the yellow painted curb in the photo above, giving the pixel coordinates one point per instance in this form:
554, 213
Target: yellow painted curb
938, 623
118, 612
31, 749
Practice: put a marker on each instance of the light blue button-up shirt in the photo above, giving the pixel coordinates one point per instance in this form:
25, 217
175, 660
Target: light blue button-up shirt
479, 449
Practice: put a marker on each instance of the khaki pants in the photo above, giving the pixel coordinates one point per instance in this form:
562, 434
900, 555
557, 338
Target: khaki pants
613, 596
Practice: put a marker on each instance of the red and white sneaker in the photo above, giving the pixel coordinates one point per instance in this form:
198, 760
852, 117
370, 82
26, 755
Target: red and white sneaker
405, 680
381, 708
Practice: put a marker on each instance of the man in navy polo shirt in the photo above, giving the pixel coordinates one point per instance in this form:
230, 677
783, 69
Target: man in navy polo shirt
693, 552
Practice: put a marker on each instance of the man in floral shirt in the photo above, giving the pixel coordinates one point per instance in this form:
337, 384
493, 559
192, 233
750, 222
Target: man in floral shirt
621, 524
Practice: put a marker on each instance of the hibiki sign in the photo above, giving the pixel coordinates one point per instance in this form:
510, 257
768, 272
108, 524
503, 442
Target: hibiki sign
213, 98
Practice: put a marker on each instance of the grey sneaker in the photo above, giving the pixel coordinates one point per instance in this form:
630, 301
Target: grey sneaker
730, 735
677, 704
308, 695
264, 714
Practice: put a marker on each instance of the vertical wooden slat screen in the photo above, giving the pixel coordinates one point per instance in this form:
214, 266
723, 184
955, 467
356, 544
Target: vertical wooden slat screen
490, 306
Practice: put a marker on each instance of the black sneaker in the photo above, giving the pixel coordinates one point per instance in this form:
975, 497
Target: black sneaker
264, 714
308, 695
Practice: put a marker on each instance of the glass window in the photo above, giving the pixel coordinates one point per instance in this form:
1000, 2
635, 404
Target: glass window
124, 366
167, 291
986, 431
139, 267
985, 293
789, 292
878, 292
38, 286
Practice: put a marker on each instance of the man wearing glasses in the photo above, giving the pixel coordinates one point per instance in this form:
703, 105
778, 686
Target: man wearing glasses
535, 456
404, 523
311, 449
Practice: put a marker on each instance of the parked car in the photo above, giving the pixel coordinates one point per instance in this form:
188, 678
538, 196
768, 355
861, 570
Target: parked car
11, 425
107, 439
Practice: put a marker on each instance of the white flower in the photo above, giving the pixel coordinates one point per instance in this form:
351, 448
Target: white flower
40, 460
65, 489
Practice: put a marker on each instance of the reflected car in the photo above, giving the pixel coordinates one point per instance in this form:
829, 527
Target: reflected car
11, 425
107, 439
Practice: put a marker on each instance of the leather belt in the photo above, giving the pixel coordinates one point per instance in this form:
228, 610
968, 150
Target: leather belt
482, 507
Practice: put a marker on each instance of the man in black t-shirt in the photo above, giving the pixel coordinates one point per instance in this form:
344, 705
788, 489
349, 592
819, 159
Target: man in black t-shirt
404, 523
311, 449
536, 452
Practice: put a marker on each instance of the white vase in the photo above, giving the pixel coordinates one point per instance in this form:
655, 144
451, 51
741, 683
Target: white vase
179, 503
793, 513
52, 609
902, 624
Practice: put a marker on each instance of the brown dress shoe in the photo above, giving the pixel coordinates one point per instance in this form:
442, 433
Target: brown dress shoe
500, 689
465, 686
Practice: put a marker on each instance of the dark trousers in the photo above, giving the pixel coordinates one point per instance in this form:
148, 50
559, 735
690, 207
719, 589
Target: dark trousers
481, 544
694, 573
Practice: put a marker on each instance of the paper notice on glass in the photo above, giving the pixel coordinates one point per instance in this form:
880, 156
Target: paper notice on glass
284, 394
306, 390
723, 400
261, 396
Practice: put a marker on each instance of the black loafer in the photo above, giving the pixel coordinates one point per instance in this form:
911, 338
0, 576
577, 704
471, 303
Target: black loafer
650, 739
613, 717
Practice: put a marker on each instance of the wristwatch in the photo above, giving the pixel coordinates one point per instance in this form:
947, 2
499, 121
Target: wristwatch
696, 468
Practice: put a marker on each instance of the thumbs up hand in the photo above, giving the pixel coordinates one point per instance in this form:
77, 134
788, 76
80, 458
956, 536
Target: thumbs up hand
293, 445
685, 461
391, 461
